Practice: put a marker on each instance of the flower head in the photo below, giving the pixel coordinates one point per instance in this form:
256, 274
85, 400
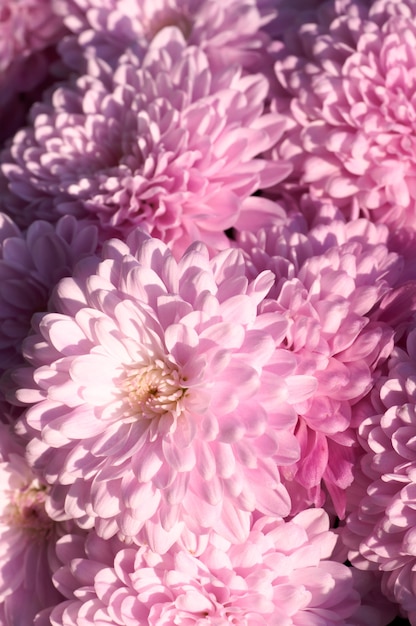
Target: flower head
229, 33
282, 572
27, 539
348, 81
380, 532
31, 263
168, 145
29, 31
329, 281
162, 403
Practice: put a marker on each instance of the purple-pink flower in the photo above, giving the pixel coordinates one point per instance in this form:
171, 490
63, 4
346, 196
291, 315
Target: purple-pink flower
27, 539
29, 31
381, 529
168, 145
282, 575
230, 33
162, 402
329, 282
348, 85
31, 263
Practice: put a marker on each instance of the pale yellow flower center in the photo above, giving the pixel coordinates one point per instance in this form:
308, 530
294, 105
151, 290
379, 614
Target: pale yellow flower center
153, 391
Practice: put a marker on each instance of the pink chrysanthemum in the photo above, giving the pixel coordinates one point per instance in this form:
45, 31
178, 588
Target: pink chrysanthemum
170, 145
349, 83
31, 264
281, 575
228, 32
162, 403
27, 540
29, 29
329, 283
381, 532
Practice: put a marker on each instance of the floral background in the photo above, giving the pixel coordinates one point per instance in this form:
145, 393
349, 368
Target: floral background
207, 312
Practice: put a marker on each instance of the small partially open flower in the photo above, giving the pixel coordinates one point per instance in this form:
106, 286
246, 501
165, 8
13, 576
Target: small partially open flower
27, 539
29, 30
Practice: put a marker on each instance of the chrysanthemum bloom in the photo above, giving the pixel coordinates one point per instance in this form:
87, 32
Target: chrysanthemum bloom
329, 283
27, 540
31, 264
281, 575
170, 145
228, 32
381, 531
349, 89
29, 30
162, 404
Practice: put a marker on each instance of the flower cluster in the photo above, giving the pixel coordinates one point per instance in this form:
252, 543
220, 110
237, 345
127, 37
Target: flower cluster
207, 312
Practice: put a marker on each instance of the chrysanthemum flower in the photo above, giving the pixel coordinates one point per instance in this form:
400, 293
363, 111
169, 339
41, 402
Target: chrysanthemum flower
27, 539
228, 32
31, 263
287, 14
169, 145
329, 281
349, 83
162, 403
29, 29
281, 575
381, 531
